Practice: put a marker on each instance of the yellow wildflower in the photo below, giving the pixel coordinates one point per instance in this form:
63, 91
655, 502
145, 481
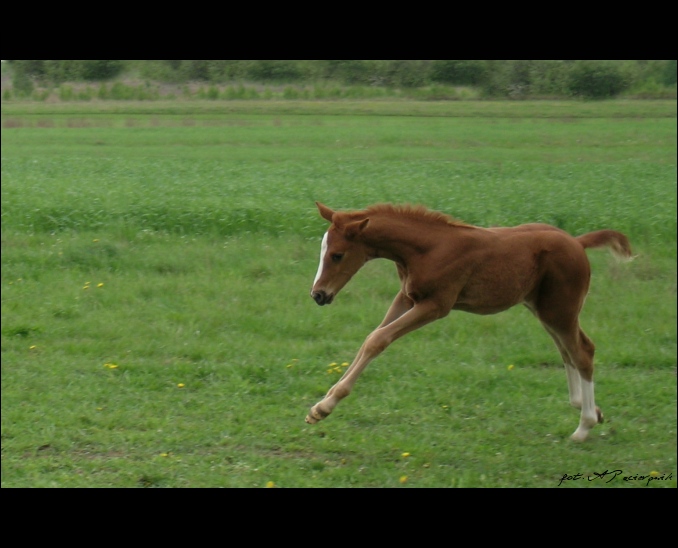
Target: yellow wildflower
403, 479
510, 367
100, 284
180, 385
405, 455
270, 484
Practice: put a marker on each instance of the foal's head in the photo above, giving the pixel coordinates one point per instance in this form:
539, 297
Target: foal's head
341, 254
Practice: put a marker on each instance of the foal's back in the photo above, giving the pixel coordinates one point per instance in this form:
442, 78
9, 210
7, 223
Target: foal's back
512, 265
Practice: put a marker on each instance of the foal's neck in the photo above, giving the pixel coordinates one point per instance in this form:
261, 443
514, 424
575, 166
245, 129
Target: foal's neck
401, 239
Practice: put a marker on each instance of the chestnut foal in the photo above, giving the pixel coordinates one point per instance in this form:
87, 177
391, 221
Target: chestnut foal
444, 265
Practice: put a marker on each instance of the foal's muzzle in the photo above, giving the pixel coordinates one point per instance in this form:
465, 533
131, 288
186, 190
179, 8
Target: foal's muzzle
321, 297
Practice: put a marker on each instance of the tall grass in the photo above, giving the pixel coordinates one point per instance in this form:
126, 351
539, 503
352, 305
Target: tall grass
157, 328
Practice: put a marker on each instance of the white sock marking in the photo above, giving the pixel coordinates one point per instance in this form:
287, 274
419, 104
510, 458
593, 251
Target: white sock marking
588, 404
574, 386
588, 417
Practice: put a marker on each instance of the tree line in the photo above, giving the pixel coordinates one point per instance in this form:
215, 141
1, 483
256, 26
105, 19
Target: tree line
594, 79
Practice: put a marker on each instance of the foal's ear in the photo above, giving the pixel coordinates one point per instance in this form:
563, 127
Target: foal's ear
325, 212
354, 229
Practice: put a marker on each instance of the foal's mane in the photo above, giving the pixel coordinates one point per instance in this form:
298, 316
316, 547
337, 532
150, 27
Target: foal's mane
415, 212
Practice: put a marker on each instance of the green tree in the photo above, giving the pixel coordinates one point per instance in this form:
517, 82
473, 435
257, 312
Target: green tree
458, 72
596, 79
670, 73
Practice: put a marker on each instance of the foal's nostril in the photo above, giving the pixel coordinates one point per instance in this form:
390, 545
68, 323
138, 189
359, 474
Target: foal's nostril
319, 297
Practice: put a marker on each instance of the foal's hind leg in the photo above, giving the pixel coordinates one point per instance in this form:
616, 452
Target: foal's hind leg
578, 350
581, 350
573, 378
558, 309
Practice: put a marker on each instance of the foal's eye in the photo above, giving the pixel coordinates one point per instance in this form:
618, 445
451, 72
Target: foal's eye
336, 257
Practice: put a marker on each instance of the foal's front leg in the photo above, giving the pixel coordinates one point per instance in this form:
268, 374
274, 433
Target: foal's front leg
401, 304
376, 342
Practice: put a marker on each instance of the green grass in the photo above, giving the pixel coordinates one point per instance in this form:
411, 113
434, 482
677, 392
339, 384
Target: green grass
202, 110
202, 229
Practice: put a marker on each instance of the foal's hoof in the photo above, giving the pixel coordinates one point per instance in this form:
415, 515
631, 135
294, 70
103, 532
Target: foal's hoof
315, 414
579, 435
601, 418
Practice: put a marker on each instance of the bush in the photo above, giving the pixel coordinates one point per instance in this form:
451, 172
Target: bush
175, 71
596, 79
349, 71
99, 70
194, 70
58, 71
670, 73
273, 71
23, 73
516, 79
226, 71
548, 77
235, 92
213, 92
66, 93
23, 85
121, 92
459, 73
102, 92
406, 73
159, 70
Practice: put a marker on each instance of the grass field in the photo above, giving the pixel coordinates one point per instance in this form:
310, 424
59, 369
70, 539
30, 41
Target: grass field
157, 329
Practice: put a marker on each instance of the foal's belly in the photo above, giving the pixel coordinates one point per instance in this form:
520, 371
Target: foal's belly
496, 293
482, 309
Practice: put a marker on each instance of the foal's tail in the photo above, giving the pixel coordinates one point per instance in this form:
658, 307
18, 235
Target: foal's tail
616, 241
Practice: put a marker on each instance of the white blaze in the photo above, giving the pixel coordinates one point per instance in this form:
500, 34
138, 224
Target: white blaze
323, 250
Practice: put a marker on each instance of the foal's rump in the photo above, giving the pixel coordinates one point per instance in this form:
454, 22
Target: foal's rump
537, 264
558, 297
